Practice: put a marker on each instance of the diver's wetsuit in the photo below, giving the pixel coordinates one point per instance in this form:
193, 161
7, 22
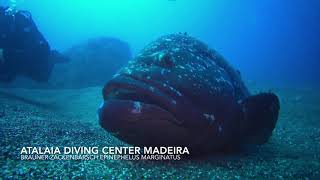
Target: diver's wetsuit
24, 49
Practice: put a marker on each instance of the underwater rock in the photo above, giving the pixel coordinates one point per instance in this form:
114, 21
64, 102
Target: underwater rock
91, 63
179, 92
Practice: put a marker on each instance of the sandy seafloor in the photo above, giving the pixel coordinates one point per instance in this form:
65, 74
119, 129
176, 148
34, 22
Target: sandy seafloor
68, 118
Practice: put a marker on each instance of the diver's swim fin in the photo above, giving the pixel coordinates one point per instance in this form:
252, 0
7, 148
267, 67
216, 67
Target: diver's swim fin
261, 114
56, 57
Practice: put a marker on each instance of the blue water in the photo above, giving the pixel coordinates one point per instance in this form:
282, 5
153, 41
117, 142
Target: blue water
269, 41
274, 43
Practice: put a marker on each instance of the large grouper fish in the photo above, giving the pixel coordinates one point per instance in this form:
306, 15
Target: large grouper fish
179, 92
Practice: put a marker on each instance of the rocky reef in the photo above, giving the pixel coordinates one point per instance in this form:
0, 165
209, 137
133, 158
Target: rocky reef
91, 63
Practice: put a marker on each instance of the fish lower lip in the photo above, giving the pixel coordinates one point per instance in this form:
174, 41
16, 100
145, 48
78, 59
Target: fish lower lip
142, 91
118, 118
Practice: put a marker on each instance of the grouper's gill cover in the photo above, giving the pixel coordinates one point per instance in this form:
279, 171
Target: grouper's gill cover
176, 91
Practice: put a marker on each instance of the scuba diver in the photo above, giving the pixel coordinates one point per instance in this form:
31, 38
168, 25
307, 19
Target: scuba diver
23, 49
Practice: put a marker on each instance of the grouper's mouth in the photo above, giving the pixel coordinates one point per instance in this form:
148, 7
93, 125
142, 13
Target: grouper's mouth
140, 91
134, 107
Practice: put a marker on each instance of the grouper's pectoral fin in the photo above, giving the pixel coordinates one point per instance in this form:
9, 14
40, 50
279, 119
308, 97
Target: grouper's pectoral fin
261, 114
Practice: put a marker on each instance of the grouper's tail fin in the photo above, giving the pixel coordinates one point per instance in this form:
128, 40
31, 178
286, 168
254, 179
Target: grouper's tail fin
261, 114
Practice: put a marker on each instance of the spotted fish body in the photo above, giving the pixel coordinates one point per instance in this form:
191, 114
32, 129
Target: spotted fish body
178, 91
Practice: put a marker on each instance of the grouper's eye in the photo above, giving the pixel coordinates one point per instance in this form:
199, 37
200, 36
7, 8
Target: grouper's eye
165, 60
